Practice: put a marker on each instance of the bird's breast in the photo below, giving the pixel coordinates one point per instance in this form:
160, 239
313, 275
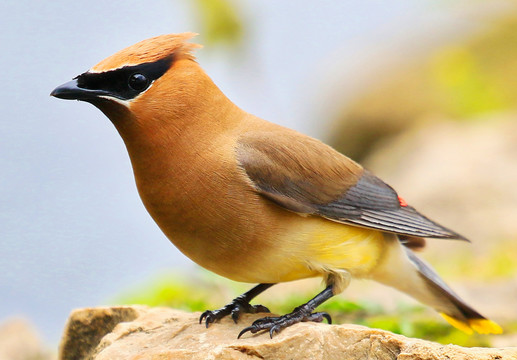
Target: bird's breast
206, 206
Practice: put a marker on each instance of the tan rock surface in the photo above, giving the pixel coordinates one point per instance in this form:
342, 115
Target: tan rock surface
161, 333
19, 340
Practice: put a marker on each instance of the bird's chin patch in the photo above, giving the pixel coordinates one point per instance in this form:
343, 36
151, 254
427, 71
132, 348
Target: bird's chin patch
111, 107
107, 98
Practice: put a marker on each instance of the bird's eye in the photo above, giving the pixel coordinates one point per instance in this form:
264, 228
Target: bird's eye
138, 82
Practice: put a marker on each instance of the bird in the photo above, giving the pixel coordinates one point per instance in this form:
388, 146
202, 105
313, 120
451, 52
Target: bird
256, 202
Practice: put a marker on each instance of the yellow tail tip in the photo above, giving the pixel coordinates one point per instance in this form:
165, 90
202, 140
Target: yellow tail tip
482, 326
485, 326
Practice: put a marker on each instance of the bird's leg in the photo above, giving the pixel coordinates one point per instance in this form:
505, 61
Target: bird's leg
299, 314
238, 305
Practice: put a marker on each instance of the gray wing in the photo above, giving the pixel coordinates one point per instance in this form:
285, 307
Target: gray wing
335, 188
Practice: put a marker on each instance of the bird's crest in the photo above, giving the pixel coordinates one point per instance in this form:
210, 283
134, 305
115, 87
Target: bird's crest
150, 50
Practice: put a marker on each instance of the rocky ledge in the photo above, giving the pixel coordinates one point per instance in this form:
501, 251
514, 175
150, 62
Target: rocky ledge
138, 332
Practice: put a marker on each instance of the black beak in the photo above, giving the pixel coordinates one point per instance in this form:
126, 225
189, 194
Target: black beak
72, 91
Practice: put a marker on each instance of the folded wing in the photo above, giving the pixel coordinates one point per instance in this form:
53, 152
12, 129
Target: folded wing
306, 176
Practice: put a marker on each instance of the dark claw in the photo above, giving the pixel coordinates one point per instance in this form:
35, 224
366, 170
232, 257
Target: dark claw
261, 309
273, 330
210, 317
327, 316
234, 309
300, 313
235, 313
203, 315
245, 330
318, 317
277, 324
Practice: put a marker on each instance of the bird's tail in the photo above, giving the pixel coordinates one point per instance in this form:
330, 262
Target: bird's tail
451, 307
404, 271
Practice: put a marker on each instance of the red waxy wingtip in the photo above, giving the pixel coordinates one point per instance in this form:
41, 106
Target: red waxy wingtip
402, 202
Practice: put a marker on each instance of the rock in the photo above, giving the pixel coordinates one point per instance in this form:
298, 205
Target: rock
20, 341
86, 328
140, 332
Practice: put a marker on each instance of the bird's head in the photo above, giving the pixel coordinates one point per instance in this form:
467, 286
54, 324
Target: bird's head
154, 77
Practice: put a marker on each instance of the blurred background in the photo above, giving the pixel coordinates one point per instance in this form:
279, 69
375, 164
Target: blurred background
423, 93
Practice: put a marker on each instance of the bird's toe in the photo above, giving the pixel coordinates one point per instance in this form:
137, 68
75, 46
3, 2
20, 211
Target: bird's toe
277, 324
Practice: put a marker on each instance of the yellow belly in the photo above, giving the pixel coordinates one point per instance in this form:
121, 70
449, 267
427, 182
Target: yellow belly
340, 246
314, 246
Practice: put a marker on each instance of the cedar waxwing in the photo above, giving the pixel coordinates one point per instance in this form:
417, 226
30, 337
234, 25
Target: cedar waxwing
253, 201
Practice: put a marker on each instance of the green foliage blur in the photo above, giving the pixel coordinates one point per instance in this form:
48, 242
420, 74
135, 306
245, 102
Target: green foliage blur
204, 290
498, 263
220, 22
462, 80
478, 76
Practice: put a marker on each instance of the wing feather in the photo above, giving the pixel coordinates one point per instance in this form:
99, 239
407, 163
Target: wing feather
306, 176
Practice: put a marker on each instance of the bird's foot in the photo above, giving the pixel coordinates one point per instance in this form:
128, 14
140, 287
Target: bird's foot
238, 306
276, 324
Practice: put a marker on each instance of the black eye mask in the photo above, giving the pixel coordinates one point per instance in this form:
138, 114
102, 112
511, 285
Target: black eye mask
127, 82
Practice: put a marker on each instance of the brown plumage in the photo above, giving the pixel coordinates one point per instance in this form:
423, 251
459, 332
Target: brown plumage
254, 201
145, 51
